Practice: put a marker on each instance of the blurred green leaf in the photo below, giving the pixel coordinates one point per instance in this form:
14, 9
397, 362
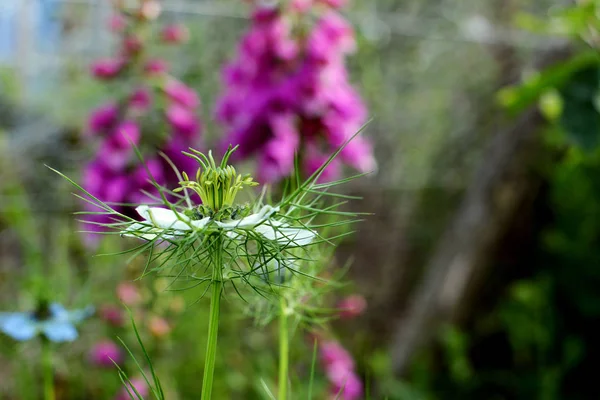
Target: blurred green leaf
580, 117
516, 99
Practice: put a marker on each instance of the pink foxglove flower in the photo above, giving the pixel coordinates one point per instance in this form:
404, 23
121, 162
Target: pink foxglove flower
137, 119
284, 84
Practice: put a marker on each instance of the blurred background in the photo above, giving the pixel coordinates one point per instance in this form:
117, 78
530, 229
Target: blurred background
480, 265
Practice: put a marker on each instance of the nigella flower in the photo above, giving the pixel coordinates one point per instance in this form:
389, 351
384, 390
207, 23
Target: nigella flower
52, 321
253, 243
217, 188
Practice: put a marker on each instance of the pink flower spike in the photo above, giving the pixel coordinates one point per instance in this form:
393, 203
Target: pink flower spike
105, 353
182, 94
156, 66
175, 34
352, 306
107, 68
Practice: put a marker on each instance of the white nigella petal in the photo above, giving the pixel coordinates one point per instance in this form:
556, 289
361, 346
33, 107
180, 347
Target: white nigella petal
250, 221
285, 234
163, 223
164, 218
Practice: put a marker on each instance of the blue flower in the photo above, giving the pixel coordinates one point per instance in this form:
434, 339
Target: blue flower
54, 322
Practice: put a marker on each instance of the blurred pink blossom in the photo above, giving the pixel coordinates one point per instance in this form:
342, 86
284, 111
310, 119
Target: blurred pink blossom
352, 306
140, 386
113, 315
129, 294
107, 68
141, 99
181, 94
175, 33
158, 326
103, 117
156, 66
117, 23
340, 370
105, 354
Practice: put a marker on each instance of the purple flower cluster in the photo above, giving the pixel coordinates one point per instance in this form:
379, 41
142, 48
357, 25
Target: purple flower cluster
339, 368
159, 114
287, 91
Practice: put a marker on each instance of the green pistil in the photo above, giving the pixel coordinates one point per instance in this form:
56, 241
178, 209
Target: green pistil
217, 185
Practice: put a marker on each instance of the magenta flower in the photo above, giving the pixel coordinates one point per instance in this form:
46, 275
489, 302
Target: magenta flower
156, 66
105, 354
140, 386
107, 68
287, 93
181, 94
141, 99
175, 34
182, 120
352, 306
339, 368
103, 118
132, 44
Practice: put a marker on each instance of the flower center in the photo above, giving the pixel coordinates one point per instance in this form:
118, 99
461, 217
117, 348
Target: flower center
217, 186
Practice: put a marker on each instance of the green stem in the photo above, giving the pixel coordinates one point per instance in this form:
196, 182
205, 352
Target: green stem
48, 370
283, 349
213, 324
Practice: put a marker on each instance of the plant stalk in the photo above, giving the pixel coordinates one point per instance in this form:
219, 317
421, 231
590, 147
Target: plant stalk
48, 370
213, 324
283, 349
